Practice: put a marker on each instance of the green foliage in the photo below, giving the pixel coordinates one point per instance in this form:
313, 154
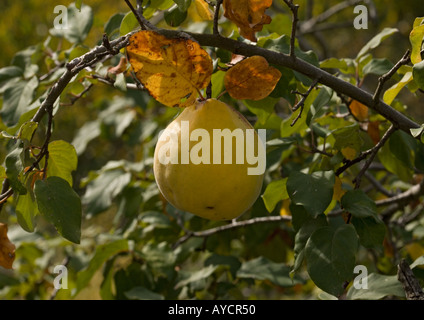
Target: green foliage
84, 194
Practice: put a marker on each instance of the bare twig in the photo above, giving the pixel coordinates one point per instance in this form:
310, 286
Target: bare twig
78, 96
384, 78
405, 197
301, 102
136, 14
372, 154
377, 184
232, 225
294, 8
216, 17
409, 282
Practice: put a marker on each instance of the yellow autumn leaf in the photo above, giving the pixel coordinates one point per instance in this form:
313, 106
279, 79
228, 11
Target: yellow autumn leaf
252, 78
7, 248
338, 192
248, 15
285, 208
172, 70
349, 153
203, 10
359, 110
374, 131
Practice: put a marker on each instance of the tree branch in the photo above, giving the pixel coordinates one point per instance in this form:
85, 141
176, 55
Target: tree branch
409, 282
216, 17
293, 8
384, 78
232, 225
372, 154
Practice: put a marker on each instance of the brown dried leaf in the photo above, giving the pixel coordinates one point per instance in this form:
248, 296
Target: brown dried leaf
248, 15
120, 67
359, 110
7, 248
172, 70
253, 78
374, 131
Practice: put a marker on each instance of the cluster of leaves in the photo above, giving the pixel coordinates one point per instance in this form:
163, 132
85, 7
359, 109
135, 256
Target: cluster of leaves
91, 180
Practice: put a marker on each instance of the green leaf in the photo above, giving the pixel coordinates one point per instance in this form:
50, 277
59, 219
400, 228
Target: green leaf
313, 191
417, 132
416, 38
114, 23
100, 192
320, 101
376, 41
218, 260
190, 277
379, 286
275, 192
418, 73
263, 269
357, 203
330, 256
142, 293
183, 5
261, 108
103, 253
393, 164
62, 160
175, 16
348, 137
60, 205
14, 167
16, 101
128, 24
78, 4
418, 262
286, 129
89, 131
371, 231
26, 131
377, 67
394, 90
402, 145
307, 228
80, 21
26, 206
10, 72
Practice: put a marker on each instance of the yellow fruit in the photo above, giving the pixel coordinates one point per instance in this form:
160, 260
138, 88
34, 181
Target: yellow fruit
197, 170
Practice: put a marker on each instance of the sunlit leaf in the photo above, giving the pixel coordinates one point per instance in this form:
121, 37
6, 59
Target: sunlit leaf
252, 78
376, 41
359, 110
203, 10
7, 248
248, 15
416, 38
172, 70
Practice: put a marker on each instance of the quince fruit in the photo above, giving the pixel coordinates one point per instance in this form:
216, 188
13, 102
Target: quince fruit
210, 161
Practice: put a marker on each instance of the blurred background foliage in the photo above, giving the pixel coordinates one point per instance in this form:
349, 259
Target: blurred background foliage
114, 133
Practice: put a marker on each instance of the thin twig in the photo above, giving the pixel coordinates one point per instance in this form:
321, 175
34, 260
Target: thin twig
136, 14
301, 103
216, 17
384, 78
232, 225
78, 96
294, 8
373, 153
377, 184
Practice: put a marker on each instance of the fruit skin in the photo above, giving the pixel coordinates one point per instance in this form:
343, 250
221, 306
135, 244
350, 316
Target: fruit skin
212, 191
